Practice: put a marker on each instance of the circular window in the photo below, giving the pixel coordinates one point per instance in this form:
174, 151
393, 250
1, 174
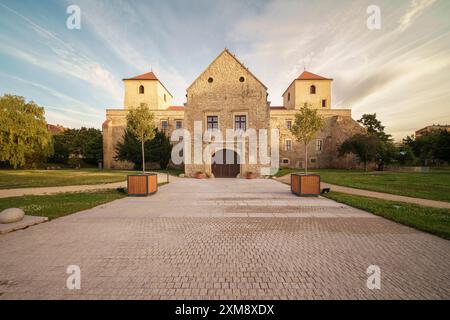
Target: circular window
241, 79
210, 80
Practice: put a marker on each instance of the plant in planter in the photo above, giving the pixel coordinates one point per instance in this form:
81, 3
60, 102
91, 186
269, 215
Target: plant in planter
307, 123
200, 175
251, 175
141, 123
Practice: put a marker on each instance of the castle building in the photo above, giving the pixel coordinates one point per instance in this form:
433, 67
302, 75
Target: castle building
228, 96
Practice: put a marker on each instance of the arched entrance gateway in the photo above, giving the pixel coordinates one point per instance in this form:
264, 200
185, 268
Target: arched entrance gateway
226, 164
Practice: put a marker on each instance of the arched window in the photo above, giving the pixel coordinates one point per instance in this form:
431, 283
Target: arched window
141, 90
289, 96
312, 90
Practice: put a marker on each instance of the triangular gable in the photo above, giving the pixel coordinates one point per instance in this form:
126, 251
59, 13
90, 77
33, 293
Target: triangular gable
226, 51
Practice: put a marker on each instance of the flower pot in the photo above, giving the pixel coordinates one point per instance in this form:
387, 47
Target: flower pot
142, 185
305, 185
200, 175
252, 175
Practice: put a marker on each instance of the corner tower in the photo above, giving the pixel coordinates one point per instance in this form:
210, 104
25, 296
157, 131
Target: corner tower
309, 88
146, 90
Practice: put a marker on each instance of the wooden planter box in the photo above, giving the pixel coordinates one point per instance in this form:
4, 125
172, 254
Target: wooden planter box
305, 185
142, 185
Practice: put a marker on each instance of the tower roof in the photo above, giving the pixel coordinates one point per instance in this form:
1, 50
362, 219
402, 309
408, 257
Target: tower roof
145, 76
306, 75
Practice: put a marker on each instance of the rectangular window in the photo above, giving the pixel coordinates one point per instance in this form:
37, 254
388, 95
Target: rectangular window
324, 103
285, 161
213, 122
288, 145
164, 125
319, 145
179, 124
313, 160
240, 123
289, 124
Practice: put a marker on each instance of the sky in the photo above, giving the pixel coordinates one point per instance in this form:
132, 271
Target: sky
401, 71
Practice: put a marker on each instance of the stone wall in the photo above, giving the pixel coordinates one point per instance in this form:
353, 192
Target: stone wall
226, 89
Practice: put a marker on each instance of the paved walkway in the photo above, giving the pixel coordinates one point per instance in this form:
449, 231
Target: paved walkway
53, 190
379, 195
223, 239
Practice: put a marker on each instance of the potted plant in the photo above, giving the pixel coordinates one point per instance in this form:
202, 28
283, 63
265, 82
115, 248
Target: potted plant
307, 123
141, 123
200, 175
251, 175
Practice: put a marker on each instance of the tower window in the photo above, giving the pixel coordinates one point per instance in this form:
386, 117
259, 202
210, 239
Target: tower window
289, 96
324, 103
141, 90
312, 90
165, 98
179, 124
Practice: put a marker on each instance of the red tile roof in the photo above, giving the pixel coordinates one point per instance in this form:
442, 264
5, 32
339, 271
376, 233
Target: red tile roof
306, 75
176, 108
145, 76
106, 123
55, 129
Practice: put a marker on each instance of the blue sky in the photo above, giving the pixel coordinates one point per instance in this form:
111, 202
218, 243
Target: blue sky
402, 71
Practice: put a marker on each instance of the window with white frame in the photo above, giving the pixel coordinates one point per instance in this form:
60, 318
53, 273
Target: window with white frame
164, 125
179, 124
287, 145
240, 123
319, 145
212, 122
289, 124
285, 161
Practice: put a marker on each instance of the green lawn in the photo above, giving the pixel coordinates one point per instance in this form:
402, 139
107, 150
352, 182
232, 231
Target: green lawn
434, 185
59, 205
11, 179
432, 220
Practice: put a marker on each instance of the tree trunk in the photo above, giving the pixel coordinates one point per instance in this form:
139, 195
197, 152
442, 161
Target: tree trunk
143, 156
306, 158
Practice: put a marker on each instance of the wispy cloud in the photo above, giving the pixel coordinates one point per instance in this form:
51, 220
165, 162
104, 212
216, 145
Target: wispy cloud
415, 10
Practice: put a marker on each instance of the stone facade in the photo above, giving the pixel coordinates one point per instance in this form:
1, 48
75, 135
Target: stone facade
224, 93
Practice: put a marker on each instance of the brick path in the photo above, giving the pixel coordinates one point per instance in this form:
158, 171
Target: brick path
224, 239
378, 195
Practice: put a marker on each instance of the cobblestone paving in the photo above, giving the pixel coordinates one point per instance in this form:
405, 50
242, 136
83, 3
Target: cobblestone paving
223, 239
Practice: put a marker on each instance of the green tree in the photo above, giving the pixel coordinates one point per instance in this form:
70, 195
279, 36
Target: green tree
159, 149
24, 138
364, 146
306, 125
141, 123
76, 145
386, 150
433, 147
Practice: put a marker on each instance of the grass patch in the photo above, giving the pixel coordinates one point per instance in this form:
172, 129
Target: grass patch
13, 179
434, 185
431, 220
62, 204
